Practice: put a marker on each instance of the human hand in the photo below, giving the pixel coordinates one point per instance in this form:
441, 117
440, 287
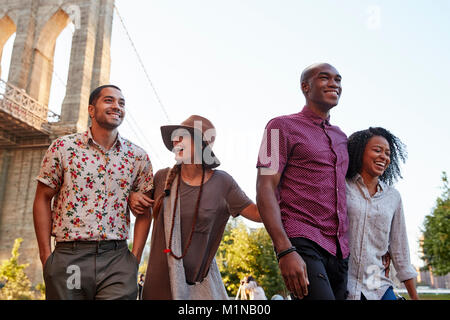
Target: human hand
139, 203
386, 259
137, 254
44, 256
293, 270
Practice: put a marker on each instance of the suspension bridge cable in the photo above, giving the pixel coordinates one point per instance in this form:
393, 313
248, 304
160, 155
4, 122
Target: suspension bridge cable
133, 124
142, 65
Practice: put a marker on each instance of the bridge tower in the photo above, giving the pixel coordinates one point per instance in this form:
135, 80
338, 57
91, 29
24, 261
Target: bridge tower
27, 127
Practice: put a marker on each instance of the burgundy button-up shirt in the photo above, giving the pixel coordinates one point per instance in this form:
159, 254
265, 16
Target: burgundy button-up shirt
311, 155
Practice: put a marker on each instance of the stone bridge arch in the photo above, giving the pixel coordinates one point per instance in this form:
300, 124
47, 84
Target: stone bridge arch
44, 49
7, 29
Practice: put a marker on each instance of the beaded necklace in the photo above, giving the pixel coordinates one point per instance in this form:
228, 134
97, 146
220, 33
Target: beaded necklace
197, 205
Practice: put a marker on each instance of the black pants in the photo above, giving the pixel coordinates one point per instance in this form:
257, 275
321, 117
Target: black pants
327, 274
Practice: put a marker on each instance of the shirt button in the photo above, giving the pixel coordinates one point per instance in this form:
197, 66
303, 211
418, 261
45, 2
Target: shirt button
338, 233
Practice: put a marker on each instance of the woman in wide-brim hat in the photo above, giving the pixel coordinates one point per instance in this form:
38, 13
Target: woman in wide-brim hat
193, 202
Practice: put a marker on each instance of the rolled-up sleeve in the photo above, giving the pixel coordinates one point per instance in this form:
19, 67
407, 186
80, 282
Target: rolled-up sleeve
51, 172
144, 180
398, 246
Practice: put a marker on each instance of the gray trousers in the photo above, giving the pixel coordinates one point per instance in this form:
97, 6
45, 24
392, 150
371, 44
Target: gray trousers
91, 270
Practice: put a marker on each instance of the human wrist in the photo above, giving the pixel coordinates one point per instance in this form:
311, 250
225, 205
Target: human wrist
44, 254
285, 252
281, 243
137, 253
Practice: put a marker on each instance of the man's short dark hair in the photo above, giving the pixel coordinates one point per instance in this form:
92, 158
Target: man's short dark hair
96, 93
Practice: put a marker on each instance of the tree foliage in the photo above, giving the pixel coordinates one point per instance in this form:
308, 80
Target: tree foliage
16, 285
244, 252
436, 233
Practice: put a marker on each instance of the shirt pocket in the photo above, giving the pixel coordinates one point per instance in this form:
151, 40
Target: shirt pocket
354, 206
380, 221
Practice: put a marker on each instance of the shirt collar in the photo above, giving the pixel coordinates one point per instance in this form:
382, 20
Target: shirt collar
307, 112
357, 178
87, 139
381, 186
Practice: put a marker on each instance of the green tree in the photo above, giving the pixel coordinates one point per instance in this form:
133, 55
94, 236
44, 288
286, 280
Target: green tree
244, 252
17, 286
436, 233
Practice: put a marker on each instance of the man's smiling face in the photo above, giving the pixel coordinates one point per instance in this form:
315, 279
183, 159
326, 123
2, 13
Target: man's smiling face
109, 108
323, 86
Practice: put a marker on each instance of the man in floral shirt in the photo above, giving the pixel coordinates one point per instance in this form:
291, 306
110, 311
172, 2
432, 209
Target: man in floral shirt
89, 176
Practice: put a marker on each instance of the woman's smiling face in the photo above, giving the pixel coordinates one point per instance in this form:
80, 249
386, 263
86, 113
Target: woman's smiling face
183, 148
376, 157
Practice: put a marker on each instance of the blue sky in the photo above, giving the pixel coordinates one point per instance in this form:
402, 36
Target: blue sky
238, 63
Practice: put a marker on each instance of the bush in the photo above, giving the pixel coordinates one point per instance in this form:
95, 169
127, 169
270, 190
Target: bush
16, 285
244, 252
436, 233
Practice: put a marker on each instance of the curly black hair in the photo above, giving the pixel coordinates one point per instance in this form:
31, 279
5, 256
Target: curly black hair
357, 143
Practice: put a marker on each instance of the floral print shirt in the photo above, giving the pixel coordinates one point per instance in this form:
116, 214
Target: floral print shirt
93, 186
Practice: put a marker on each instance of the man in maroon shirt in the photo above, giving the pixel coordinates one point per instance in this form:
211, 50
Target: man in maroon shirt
302, 164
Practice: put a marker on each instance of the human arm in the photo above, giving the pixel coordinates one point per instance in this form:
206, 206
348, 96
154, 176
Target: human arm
141, 229
292, 266
251, 212
140, 202
140, 199
399, 251
42, 219
386, 260
411, 288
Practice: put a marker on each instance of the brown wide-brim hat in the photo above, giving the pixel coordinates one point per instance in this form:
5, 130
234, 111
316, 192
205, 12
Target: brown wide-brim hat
197, 126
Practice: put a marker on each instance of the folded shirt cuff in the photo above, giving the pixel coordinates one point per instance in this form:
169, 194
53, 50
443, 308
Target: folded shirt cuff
406, 274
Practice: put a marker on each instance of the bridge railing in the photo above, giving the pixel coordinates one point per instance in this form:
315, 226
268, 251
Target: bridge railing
17, 103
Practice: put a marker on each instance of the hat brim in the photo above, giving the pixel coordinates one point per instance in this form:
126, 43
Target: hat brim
166, 133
